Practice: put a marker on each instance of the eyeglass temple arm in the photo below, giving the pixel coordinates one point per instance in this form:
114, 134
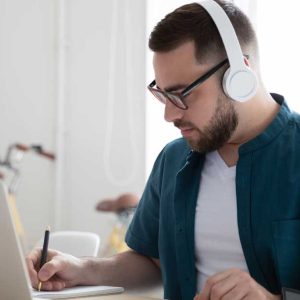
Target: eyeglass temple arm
204, 77
188, 89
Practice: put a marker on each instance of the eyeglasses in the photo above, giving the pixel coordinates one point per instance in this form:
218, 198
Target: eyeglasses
177, 98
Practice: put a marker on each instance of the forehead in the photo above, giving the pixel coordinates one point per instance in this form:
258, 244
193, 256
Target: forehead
178, 66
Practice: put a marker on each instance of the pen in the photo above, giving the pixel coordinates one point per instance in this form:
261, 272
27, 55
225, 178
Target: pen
44, 253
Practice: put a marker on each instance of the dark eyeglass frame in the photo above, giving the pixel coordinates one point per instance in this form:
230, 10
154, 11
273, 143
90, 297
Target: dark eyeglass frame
163, 96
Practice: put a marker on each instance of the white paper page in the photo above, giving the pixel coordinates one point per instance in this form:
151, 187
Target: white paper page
78, 291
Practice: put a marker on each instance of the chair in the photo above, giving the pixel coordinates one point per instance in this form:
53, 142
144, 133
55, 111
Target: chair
76, 243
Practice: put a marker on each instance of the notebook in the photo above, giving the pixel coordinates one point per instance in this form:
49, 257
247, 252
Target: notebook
14, 279
79, 291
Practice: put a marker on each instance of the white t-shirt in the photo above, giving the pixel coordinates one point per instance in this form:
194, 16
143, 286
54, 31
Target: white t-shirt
217, 242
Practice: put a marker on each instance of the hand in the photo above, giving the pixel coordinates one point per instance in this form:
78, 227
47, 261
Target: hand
234, 284
60, 271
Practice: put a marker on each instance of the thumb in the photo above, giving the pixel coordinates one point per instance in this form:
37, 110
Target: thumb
49, 269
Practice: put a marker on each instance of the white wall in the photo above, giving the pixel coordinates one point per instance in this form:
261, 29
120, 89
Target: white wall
27, 100
59, 86
105, 107
277, 25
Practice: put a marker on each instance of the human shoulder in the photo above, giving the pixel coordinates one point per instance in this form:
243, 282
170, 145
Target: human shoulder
296, 119
177, 147
173, 155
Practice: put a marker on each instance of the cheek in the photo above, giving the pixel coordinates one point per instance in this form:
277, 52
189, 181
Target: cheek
202, 108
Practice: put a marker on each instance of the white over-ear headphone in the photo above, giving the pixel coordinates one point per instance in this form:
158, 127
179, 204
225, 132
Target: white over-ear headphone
239, 81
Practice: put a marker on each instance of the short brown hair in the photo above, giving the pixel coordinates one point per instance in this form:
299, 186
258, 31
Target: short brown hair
191, 22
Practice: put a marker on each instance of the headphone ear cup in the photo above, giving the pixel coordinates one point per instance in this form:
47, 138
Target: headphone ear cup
224, 81
240, 85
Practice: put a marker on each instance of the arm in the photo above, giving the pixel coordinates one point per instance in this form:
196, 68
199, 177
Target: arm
128, 269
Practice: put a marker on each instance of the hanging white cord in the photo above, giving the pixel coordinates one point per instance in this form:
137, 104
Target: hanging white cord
60, 132
127, 179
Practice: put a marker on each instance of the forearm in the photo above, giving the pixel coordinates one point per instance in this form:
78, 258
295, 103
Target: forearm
128, 269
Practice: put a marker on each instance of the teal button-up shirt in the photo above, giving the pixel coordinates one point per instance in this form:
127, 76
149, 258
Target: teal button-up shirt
268, 206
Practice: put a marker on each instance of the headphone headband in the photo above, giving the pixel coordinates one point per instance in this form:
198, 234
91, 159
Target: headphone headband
239, 82
227, 32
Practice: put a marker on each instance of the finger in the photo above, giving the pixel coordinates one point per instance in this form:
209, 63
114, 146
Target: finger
53, 285
200, 296
31, 261
249, 289
237, 293
34, 255
33, 264
225, 285
49, 269
32, 273
211, 281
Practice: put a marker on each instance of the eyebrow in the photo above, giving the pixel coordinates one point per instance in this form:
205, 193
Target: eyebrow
173, 88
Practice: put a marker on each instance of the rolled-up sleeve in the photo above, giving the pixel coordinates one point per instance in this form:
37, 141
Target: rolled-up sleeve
142, 234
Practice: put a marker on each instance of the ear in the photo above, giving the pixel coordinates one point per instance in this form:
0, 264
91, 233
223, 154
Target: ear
246, 61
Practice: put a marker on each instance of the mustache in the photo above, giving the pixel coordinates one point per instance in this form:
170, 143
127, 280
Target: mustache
180, 123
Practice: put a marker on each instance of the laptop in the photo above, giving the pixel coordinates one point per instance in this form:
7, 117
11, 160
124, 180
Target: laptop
14, 278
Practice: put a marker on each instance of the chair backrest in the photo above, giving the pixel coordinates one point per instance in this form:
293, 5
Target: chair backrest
76, 243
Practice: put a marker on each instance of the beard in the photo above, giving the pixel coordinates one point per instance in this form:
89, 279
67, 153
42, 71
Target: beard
218, 131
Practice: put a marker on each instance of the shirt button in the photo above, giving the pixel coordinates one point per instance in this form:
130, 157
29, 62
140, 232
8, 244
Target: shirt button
179, 228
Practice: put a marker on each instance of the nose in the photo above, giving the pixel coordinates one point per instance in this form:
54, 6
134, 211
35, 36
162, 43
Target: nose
172, 112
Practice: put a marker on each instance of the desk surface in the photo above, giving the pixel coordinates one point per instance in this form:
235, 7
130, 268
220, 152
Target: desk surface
116, 297
143, 293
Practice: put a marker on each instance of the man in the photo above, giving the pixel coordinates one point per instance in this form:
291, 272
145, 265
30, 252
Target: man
220, 214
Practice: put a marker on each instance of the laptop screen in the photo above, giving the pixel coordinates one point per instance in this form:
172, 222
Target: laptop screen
14, 280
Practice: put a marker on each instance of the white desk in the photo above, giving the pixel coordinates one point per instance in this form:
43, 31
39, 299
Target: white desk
145, 293
116, 297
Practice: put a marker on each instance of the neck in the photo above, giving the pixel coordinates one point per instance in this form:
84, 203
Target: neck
254, 117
